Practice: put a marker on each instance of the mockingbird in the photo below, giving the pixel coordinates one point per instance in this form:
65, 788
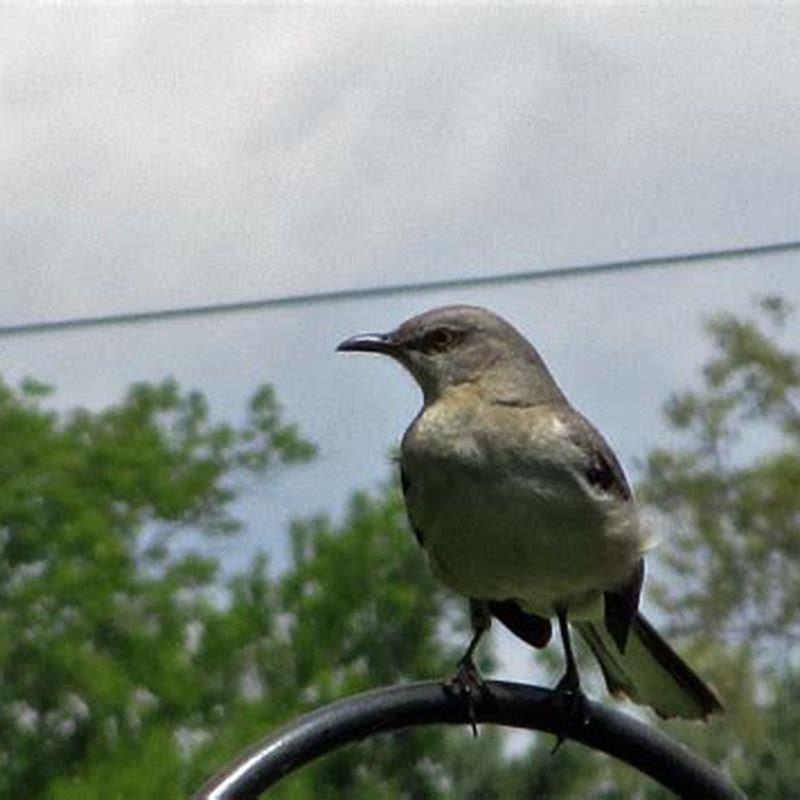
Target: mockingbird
522, 506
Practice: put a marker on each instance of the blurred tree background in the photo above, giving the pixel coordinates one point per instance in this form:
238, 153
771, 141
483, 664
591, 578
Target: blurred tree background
132, 667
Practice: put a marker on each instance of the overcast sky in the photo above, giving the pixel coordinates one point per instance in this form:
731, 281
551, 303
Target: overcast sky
155, 157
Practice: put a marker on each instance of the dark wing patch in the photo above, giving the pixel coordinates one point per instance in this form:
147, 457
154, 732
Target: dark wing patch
621, 606
602, 469
531, 628
606, 474
404, 483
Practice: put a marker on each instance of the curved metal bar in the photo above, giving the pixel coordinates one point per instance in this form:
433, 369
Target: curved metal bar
511, 704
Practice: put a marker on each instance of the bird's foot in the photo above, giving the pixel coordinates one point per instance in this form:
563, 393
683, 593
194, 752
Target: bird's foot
468, 684
574, 706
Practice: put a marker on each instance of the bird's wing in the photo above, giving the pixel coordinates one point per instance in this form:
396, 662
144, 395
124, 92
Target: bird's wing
602, 470
621, 605
600, 467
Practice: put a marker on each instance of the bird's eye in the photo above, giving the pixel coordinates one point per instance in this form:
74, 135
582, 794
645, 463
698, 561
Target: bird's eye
438, 340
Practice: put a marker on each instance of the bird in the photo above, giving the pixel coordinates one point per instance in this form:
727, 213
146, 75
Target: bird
523, 508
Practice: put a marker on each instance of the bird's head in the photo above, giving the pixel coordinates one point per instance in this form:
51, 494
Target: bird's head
454, 345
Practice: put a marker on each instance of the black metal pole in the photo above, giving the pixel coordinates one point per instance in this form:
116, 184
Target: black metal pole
511, 704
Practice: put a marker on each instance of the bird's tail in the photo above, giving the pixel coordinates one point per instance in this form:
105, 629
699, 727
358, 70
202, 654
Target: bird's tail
650, 672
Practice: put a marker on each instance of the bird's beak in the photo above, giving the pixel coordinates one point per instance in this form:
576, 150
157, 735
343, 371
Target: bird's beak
370, 343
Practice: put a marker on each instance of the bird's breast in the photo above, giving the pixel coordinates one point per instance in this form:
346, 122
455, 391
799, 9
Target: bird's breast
502, 516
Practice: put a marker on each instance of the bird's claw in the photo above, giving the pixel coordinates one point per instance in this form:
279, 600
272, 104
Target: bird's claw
468, 684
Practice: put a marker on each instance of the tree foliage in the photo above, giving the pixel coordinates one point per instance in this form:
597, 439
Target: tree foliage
97, 609
730, 491
728, 573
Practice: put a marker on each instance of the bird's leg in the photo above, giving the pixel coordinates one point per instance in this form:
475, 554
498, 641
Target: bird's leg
467, 682
570, 682
569, 687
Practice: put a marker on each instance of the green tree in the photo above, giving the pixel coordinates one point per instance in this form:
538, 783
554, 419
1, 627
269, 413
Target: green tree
730, 573
96, 607
731, 491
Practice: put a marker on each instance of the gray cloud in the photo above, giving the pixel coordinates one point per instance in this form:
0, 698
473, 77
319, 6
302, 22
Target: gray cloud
159, 155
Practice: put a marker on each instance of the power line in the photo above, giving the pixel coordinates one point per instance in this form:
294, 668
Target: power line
313, 298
